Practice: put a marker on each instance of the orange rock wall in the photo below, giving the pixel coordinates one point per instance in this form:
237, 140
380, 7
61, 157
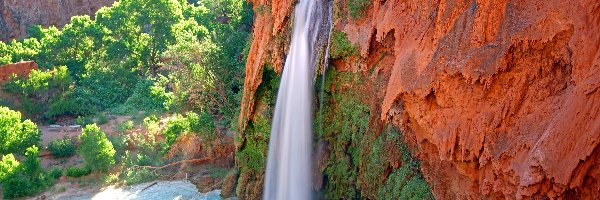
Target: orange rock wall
500, 98
18, 15
20, 69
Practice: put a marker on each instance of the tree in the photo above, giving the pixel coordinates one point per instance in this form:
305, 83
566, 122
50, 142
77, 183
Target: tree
95, 148
16, 135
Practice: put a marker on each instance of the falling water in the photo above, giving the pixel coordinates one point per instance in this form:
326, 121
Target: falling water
289, 164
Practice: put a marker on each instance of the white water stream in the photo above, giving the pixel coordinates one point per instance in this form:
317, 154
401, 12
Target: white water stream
289, 165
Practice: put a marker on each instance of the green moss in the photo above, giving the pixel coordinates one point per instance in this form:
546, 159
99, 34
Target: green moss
344, 130
364, 161
341, 47
356, 8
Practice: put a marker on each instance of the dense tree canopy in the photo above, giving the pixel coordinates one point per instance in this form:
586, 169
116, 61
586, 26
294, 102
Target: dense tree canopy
171, 47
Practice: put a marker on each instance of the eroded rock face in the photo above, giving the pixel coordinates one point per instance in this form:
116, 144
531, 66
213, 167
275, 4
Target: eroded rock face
20, 69
18, 15
500, 98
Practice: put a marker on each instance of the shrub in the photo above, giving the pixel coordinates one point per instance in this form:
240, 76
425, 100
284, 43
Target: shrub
119, 144
78, 171
84, 121
101, 119
176, 125
62, 147
125, 126
55, 172
16, 135
356, 8
135, 176
341, 47
22, 179
95, 148
202, 124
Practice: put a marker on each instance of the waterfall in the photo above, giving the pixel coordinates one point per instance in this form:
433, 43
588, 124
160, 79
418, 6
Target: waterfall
289, 164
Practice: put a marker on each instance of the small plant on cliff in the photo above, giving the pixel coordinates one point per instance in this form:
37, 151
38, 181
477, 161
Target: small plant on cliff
341, 47
356, 8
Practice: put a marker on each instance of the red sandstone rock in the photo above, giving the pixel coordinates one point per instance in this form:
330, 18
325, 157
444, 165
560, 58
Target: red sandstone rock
18, 15
20, 69
501, 98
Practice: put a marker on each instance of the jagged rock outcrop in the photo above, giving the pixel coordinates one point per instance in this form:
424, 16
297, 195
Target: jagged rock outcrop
19, 69
18, 15
498, 99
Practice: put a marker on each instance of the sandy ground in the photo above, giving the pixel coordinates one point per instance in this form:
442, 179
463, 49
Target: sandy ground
158, 190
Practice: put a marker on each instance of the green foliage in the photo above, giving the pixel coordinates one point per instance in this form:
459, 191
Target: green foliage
8, 166
203, 125
345, 131
84, 121
125, 126
119, 144
55, 172
405, 182
22, 179
62, 147
141, 175
74, 171
360, 163
341, 47
254, 154
101, 119
16, 135
176, 125
97, 151
356, 8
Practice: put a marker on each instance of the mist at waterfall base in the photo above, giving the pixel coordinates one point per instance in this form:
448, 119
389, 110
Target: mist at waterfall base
289, 164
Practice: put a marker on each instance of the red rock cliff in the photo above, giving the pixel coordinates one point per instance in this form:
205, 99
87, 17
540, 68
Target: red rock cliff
19, 69
18, 15
500, 99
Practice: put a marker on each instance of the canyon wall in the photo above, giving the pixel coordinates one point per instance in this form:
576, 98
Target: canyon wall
497, 99
16, 16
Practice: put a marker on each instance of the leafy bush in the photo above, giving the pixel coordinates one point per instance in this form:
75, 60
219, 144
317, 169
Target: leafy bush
125, 126
78, 171
97, 151
55, 172
84, 121
62, 147
16, 135
22, 179
101, 119
119, 144
202, 124
176, 125
135, 176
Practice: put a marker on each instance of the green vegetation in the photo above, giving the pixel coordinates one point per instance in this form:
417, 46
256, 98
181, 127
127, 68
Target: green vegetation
15, 134
143, 58
356, 8
361, 156
150, 55
22, 179
95, 148
55, 172
192, 123
62, 147
78, 171
341, 47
